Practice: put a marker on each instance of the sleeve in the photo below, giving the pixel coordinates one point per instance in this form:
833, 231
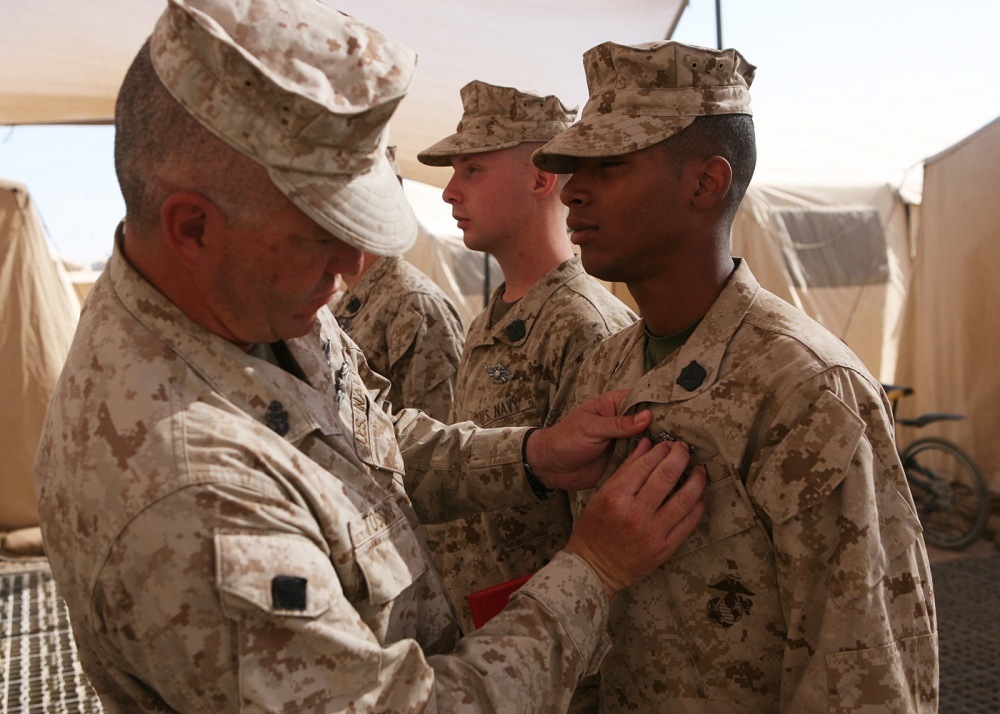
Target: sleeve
456, 470
425, 343
852, 570
563, 390
226, 599
510, 642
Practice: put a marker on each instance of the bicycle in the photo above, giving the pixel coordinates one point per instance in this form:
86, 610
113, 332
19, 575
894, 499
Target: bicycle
947, 488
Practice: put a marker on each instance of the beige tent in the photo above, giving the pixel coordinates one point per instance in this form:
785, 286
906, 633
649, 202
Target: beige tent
952, 325
841, 255
40, 310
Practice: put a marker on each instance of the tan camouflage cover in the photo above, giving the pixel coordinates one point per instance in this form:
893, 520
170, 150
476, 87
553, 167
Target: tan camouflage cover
499, 118
410, 333
642, 94
306, 92
521, 372
806, 587
230, 538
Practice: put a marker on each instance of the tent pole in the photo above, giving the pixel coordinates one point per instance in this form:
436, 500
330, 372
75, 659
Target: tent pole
718, 24
677, 19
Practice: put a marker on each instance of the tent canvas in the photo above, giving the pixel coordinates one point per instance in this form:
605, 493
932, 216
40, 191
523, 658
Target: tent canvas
842, 255
73, 75
952, 325
40, 312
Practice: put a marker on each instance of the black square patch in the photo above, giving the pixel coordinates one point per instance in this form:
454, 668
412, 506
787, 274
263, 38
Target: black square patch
288, 592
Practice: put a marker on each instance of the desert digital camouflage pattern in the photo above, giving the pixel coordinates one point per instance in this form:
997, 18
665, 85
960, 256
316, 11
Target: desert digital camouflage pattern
229, 537
642, 94
311, 106
498, 118
520, 372
410, 333
806, 587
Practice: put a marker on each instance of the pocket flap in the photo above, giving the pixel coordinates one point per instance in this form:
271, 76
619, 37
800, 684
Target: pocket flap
811, 460
280, 573
387, 550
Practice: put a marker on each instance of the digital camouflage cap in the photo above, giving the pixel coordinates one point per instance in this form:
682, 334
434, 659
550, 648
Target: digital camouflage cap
306, 92
642, 94
499, 118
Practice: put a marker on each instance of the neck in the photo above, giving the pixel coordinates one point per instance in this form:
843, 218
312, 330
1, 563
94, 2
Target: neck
669, 304
525, 268
541, 247
149, 256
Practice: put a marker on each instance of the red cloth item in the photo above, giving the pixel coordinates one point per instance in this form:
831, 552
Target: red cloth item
487, 603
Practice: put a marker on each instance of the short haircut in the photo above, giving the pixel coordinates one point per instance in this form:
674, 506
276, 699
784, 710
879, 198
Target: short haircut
160, 147
730, 136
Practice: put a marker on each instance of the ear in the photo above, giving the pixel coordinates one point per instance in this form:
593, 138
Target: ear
543, 183
715, 176
187, 218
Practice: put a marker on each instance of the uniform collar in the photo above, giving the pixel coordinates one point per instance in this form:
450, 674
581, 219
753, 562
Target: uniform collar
286, 404
355, 298
695, 367
513, 329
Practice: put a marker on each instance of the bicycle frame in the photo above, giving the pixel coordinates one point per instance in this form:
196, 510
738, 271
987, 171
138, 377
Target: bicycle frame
946, 486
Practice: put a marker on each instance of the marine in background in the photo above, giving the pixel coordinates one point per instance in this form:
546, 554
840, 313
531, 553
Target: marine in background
523, 351
408, 329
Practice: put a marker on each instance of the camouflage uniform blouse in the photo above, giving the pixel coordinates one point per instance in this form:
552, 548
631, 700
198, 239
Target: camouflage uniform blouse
521, 372
409, 331
806, 587
229, 537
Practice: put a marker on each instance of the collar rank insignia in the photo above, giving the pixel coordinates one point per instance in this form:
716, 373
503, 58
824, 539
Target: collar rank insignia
692, 376
499, 374
516, 330
732, 606
276, 418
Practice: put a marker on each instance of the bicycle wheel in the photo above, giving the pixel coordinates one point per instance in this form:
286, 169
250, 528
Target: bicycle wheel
948, 491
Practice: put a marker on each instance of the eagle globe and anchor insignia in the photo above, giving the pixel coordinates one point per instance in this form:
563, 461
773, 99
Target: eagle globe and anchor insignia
728, 609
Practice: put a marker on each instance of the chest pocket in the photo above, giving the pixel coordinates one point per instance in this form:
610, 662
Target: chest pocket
720, 586
386, 550
284, 598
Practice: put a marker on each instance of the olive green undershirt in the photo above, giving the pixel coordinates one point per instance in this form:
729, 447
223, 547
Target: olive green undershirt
659, 348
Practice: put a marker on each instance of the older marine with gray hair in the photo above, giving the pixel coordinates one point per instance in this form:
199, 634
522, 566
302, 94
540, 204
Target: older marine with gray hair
221, 484
807, 587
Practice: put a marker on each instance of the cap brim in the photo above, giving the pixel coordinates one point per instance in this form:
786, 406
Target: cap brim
368, 211
460, 145
605, 135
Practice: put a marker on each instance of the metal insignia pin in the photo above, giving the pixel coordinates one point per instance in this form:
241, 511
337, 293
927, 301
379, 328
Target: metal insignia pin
341, 383
662, 436
499, 374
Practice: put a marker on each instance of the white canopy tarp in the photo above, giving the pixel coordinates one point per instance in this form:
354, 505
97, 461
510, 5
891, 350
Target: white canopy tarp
62, 61
952, 325
40, 312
